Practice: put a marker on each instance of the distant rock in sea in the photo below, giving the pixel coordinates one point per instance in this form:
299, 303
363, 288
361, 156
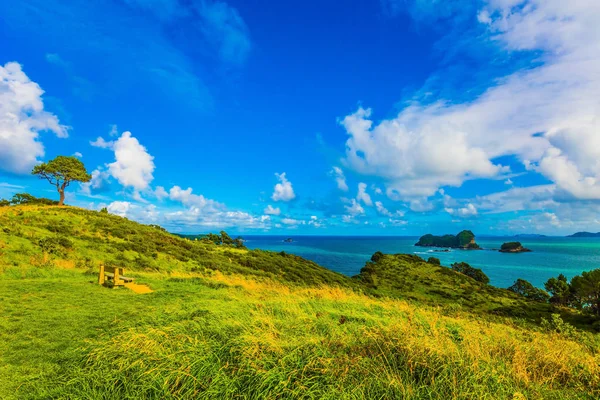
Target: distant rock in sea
513, 247
288, 240
464, 240
585, 234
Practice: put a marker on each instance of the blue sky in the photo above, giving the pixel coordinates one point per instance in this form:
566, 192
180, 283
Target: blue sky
391, 117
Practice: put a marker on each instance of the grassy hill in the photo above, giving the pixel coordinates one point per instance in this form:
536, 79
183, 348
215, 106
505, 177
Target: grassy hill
232, 323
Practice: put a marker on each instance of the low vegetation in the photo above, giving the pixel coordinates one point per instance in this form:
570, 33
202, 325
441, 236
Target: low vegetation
227, 322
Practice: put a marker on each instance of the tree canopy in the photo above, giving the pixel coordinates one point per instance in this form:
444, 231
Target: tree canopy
526, 289
60, 172
469, 271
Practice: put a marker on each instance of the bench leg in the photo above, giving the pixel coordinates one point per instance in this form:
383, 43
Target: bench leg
101, 275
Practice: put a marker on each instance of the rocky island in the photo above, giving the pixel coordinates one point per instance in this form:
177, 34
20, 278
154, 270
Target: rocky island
513, 247
464, 240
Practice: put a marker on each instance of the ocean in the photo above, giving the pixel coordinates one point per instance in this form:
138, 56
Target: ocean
550, 256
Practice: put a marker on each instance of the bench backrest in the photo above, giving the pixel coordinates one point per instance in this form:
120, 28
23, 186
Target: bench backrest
114, 269
116, 272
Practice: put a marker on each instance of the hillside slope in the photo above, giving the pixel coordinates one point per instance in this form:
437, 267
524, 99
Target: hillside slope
410, 277
232, 323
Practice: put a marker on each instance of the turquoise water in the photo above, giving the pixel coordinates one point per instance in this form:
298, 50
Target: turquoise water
347, 255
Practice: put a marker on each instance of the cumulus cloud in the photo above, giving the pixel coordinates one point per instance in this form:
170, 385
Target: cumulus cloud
160, 193
197, 217
98, 184
101, 143
187, 198
77, 154
363, 195
283, 190
270, 210
544, 115
354, 208
133, 166
120, 208
340, 179
314, 221
467, 211
22, 118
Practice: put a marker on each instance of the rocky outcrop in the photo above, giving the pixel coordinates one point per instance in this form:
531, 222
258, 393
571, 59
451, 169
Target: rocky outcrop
513, 247
464, 240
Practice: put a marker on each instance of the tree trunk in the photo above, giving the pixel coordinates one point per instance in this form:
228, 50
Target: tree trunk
62, 197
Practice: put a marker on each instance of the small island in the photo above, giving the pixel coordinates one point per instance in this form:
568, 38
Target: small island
513, 247
464, 240
288, 240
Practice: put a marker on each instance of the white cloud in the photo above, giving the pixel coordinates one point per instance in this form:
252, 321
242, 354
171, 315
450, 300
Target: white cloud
283, 190
187, 198
120, 208
397, 222
354, 208
314, 221
114, 131
464, 212
133, 166
518, 199
508, 182
292, 221
103, 144
363, 195
160, 193
340, 179
385, 212
545, 115
269, 210
77, 154
22, 118
98, 184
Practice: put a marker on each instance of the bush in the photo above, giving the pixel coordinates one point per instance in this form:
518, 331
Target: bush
26, 198
434, 260
471, 272
377, 256
55, 245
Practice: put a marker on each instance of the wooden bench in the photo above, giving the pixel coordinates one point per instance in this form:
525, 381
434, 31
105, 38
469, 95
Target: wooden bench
113, 276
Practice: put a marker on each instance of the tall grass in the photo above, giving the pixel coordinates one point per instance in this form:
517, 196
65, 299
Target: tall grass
238, 338
228, 324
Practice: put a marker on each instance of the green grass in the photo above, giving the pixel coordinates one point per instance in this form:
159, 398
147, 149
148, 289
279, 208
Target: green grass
224, 323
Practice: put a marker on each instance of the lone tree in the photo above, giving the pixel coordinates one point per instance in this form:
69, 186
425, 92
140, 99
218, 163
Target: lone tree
61, 172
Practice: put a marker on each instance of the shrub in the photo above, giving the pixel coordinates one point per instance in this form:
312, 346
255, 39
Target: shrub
55, 245
26, 198
377, 256
471, 272
434, 260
